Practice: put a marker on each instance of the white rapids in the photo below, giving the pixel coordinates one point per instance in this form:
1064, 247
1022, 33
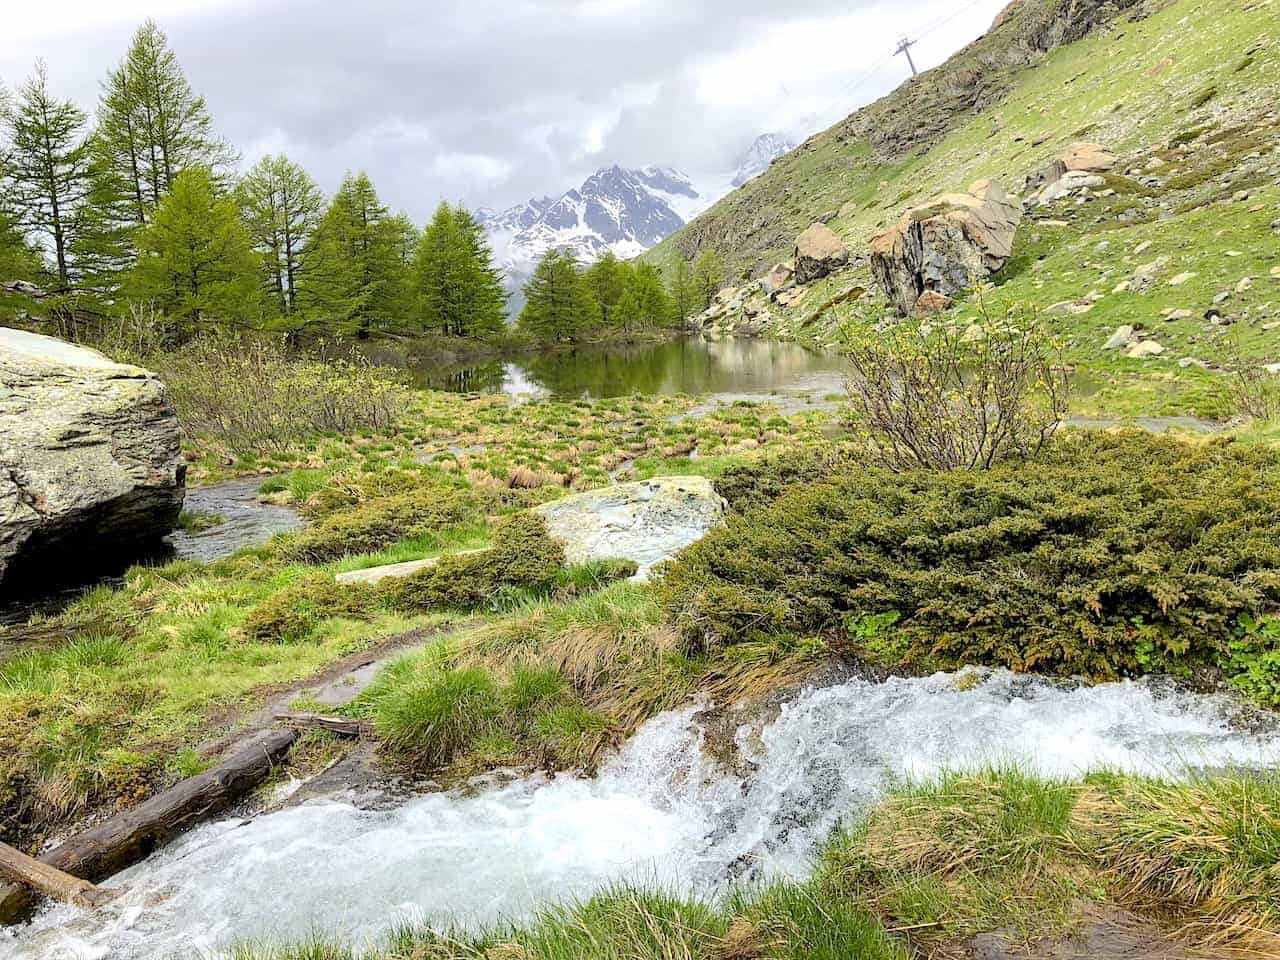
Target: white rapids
659, 813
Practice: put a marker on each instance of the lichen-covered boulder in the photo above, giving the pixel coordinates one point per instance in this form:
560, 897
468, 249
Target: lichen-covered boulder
647, 522
946, 246
819, 252
90, 465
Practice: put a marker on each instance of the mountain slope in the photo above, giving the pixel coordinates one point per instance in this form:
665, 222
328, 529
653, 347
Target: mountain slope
754, 226
1185, 93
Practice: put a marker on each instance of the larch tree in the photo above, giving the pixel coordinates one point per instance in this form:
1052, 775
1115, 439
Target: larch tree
558, 300
681, 289
195, 258
281, 205
150, 127
357, 276
47, 167
459, 293
608, 279
708, 276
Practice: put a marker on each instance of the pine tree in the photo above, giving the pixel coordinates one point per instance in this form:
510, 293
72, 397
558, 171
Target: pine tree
459, 292
357, 276
47, 167
195, 258
559, 304
708, 276
281, 205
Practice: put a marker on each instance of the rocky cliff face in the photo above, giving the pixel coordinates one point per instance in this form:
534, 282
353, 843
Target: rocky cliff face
90, 467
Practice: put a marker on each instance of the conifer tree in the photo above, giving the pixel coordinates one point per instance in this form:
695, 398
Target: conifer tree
708, 276
655, 307
559, 305
195, 259
608, 280
150, 127
47, 167
459, 291
281, 205
682, 292
357, 274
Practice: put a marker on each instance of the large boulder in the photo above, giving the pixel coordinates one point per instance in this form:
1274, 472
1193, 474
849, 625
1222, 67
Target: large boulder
946, 246
819, 252
647, 522
90, 467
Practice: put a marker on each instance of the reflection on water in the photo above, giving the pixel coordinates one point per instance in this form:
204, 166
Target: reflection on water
688, 366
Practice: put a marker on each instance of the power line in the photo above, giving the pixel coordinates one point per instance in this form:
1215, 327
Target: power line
906, 42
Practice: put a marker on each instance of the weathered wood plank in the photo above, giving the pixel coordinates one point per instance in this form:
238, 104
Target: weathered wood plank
339, 725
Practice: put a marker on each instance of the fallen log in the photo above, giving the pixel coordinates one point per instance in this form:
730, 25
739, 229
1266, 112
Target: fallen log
340, 725
135, 834
50, 881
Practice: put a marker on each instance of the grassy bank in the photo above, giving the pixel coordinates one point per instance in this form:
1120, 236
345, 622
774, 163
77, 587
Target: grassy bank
932, 865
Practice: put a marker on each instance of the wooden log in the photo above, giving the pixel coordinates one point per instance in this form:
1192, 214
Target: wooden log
50, 881
135, 834
342, 726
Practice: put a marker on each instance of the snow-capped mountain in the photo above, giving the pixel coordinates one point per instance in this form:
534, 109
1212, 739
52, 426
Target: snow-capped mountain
616, 209
767, 148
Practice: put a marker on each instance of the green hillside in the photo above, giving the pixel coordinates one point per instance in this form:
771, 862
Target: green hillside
1185, 93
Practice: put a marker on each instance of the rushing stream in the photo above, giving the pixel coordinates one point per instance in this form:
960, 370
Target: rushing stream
658, 813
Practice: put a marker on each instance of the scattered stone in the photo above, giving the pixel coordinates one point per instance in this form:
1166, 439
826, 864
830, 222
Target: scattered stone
1222, 297
819, 252
1245, 285
1234, 253
90, 464
393, 571
973, 333
1142, 248
1145, 276
1272, 325
1241, 197
1272, 368
1181, 278
1122, 287
1275, 272
931, 301
1088, 157
947, 245
1053, 223
828, 216
1102, 247
1073, 307
1192, 362
1144, 349
1155, 163
1121, 338
1178, 315
1071, 183
777, 278
646, 522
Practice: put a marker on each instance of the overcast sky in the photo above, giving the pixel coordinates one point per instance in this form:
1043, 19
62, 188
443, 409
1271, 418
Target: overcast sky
493, 101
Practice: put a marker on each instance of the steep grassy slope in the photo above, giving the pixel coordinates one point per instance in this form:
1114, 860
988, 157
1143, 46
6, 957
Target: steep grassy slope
1185, 95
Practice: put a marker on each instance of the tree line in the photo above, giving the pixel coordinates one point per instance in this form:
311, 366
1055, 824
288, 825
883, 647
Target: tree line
143, 205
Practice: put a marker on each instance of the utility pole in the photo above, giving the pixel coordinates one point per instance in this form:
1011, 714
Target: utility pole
904, 46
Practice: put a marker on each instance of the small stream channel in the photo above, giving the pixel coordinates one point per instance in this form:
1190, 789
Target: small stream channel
247, 522
659, 813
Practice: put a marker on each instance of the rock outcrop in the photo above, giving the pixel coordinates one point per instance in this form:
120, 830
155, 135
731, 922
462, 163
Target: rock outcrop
819, 252
1076, 169
646, 522
945, 246
90, 467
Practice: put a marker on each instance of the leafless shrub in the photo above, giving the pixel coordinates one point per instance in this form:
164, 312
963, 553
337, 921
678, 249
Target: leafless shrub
940, 397
251, 394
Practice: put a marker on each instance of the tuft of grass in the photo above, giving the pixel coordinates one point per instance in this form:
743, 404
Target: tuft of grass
433, 718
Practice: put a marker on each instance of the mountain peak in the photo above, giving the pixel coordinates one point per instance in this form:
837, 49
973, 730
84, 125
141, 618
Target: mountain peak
766, 148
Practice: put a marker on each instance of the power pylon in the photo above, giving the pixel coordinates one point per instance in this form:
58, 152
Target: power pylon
904, 46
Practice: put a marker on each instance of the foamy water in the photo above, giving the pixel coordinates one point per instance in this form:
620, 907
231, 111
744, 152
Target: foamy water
658, 813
